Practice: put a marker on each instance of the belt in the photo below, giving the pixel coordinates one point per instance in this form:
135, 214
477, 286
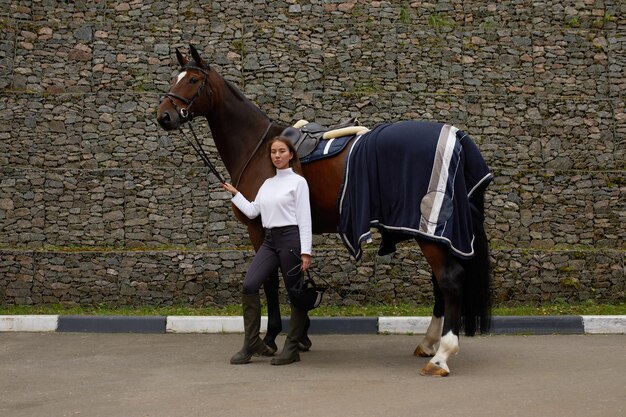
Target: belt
270, 230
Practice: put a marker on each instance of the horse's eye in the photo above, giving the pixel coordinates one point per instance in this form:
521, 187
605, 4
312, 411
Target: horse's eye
193, 80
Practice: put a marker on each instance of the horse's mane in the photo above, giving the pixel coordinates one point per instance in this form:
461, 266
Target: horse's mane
235, 91
239, 95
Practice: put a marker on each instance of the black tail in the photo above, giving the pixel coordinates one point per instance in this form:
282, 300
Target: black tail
476, 309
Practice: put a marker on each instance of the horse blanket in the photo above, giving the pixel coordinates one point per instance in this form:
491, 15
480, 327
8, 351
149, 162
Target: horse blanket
411, 179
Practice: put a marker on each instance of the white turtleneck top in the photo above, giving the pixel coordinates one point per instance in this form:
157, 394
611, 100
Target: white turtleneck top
282, 200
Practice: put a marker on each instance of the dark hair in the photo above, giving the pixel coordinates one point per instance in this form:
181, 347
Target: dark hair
295, 161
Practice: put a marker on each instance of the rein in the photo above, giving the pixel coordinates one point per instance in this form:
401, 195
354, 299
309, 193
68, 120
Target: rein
258, 145
200, 151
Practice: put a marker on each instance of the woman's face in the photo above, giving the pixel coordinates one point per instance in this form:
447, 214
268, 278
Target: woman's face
280, 154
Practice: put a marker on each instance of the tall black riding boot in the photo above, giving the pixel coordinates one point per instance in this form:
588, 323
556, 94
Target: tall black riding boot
296, 330
252, 343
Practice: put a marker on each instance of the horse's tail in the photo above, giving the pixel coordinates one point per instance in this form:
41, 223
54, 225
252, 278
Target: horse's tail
476, 309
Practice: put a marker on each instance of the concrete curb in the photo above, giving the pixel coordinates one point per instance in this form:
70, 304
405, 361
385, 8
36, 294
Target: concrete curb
538, 325
29, 323
605, 324
319, 325
111, 324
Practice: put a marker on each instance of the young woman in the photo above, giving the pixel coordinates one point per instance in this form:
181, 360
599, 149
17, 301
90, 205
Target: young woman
283, 204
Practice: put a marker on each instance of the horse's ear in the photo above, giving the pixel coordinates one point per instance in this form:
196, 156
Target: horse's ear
196, 57
181, 59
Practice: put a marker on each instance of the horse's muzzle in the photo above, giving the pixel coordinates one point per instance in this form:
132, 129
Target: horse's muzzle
168, 120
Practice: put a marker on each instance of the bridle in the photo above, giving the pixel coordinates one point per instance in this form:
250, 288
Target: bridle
187, 117
184, 112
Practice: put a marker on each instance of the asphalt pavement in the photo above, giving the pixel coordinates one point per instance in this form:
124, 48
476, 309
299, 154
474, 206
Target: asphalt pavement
138, 375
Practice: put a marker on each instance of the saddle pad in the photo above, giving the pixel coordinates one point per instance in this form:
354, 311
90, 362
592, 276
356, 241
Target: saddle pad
411, 179
327, 148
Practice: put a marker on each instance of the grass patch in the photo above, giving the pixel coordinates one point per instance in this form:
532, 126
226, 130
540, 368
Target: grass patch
399, 310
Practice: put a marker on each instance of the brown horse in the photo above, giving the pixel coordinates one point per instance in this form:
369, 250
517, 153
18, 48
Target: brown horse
239, 128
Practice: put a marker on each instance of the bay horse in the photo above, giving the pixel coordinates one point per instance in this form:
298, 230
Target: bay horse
239, 128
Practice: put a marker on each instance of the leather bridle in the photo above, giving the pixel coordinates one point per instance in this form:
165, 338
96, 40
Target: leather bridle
185, 113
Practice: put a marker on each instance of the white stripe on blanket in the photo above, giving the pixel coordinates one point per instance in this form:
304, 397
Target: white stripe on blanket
439, 179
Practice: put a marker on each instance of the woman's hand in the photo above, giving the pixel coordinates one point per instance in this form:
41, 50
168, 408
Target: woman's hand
306, 261
228, 187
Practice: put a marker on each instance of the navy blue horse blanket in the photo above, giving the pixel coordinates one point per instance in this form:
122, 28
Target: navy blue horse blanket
411, 179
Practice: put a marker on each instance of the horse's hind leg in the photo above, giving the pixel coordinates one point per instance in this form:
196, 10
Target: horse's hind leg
427, 346
449, 275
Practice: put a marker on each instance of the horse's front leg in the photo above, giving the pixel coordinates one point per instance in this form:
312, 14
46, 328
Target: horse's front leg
450, 282
427, 346
274, 321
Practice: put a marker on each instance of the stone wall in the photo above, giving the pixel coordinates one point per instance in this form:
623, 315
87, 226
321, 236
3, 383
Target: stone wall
99, 205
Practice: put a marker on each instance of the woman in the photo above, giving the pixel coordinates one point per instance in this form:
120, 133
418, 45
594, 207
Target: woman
283, 204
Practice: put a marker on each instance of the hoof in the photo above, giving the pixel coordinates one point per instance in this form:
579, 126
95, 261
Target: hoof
304, 345
419, 351
433, 370
269, 351
271, 345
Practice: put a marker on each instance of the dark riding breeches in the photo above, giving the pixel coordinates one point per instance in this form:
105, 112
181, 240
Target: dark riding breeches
280, 249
